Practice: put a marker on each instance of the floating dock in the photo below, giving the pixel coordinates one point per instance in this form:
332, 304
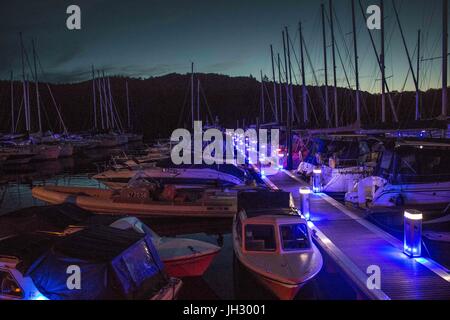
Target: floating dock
356, 245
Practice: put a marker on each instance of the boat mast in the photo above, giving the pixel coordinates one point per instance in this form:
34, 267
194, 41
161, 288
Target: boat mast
280, 91
99, 85
114, 123
27, 109
274, 85
198, 99
262, 106
286, 77
106, 100
289, 66
288, 104
416, 83
372, 41
24, 86
325, 64
128, 106
333, 50
444, 56
94, 100
192, 94
13, 127
304, 91
38, 104
418, 78
355, 47
383, 67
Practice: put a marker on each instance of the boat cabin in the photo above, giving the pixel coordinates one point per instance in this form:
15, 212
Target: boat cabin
414, 161
268, 222
276, 231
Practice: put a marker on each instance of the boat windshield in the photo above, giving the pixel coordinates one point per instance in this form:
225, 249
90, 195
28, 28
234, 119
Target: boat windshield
259, 237
294, 237
417, 165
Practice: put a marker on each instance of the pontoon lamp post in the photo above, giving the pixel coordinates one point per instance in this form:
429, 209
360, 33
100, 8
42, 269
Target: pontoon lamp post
412, 244
316, 182
304, 202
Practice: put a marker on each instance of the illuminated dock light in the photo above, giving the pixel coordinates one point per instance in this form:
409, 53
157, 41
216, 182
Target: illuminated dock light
317, 180
304, 202
412, 241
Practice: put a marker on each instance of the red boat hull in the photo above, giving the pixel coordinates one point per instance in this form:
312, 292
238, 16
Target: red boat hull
189, 267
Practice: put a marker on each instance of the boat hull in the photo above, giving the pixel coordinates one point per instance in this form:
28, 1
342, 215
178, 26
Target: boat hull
190, 266
97, 201
169, 292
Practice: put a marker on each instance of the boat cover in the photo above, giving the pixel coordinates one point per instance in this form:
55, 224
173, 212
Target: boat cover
113, 264
262, 199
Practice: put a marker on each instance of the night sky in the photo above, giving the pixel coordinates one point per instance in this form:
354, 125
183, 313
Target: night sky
143, 38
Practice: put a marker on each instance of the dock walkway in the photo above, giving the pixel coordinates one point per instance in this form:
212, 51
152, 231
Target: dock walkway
356, 244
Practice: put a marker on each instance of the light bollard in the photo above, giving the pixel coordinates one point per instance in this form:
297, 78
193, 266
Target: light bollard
304, 202
412, 244
317, 180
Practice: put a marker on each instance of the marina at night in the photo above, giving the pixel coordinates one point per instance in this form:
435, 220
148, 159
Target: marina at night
291, 150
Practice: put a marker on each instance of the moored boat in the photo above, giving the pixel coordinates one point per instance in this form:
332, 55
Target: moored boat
41, 273
144, 201
410, 173
181, 257
274, 243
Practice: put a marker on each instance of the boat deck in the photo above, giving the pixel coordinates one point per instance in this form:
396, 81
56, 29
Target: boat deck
356, 244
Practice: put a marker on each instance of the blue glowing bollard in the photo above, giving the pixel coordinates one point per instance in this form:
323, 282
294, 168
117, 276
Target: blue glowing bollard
317, 180
412, 244
304, 202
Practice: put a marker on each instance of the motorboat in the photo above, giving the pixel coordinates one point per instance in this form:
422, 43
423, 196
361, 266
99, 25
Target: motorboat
35, 266
412, 173
144, 199
182, 257
343, 160
221, 175
273, 241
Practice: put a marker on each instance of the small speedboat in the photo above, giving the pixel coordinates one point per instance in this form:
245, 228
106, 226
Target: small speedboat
274, 243
181, 257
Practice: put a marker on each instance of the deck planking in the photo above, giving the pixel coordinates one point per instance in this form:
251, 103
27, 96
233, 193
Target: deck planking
361, 244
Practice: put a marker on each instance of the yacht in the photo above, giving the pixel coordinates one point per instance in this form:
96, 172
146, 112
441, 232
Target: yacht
411, 172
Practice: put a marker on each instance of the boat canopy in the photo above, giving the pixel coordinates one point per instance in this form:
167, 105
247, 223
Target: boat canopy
263, 199
415, 162
113, 264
